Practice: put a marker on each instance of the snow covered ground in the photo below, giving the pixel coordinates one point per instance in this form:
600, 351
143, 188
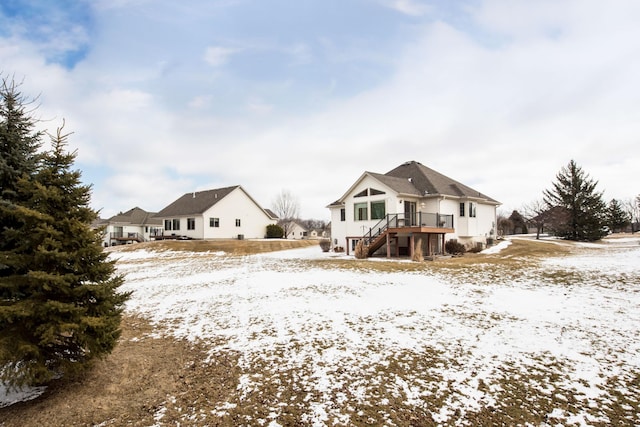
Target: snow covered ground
559, 337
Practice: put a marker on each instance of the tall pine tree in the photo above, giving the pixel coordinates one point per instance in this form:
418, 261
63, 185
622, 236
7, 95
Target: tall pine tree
576, 194
19, 142
60, 307
617, 218
19, 145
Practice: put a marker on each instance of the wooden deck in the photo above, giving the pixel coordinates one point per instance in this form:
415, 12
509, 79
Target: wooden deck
414, 234
411, 228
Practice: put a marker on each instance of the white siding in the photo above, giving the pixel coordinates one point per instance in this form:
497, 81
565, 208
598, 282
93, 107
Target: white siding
340, 230
127, 229
338, 227
235, 205
473, 229
467, 229
296, 232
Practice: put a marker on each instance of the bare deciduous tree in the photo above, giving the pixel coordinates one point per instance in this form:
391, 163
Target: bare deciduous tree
287, 207
534, 213
632, 208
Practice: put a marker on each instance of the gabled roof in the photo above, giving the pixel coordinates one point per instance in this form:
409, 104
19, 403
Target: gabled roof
429, 182
134, 216
414, 179
294, 222
271, 213
198, 202
399, 185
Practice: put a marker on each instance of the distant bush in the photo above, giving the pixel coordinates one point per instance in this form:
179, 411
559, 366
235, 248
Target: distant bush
454, 247
274, 231
338, 249
477, 248
325, 245
361, 251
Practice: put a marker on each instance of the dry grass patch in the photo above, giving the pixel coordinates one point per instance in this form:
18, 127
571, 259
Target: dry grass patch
351, 374
230, 246
146, 379
521, 253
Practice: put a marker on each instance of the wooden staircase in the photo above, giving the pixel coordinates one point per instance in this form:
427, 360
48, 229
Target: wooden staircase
377, 235
378, 242
394, 224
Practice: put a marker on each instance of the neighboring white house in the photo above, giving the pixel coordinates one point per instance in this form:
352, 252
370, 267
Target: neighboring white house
318, 234
411, 205
135, 225
295, 230
222, 213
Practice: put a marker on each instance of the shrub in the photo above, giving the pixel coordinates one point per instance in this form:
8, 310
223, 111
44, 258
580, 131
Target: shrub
325, 245
477, 248
338, 249
361, 251
274, 231
454, 247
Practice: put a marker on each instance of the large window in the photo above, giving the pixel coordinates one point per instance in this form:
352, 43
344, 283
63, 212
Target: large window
377, 210
191, 223
368, 192
172, 224
461, 208
472, 210
360, 212
214, 222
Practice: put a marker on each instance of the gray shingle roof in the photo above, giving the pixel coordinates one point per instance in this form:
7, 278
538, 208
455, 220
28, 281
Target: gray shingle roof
271, 213
413, 178
134, 216
426, 181
399, 184
196, 202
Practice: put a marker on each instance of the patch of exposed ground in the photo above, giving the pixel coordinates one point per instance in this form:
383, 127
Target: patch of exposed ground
136, 385
519, 338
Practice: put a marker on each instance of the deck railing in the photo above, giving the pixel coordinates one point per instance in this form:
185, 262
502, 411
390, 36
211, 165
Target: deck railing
126, 236
403, 220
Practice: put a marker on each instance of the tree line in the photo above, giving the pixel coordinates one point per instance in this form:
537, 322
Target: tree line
573, 209
60, 307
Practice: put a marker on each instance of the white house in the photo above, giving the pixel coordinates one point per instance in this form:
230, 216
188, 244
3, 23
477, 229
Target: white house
411, 205
222, 213
318, 234
135, 225
296, 231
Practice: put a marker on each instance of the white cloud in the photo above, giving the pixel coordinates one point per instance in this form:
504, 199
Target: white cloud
200, 102
408, 7
301, 54
217, 56
258, 106
502, 117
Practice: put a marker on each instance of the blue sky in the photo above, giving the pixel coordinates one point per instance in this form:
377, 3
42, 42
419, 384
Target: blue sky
168, 97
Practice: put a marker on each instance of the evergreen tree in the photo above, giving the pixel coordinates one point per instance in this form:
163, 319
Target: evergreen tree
576, 193
518, 222
19, 142
617, 218
60, 307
